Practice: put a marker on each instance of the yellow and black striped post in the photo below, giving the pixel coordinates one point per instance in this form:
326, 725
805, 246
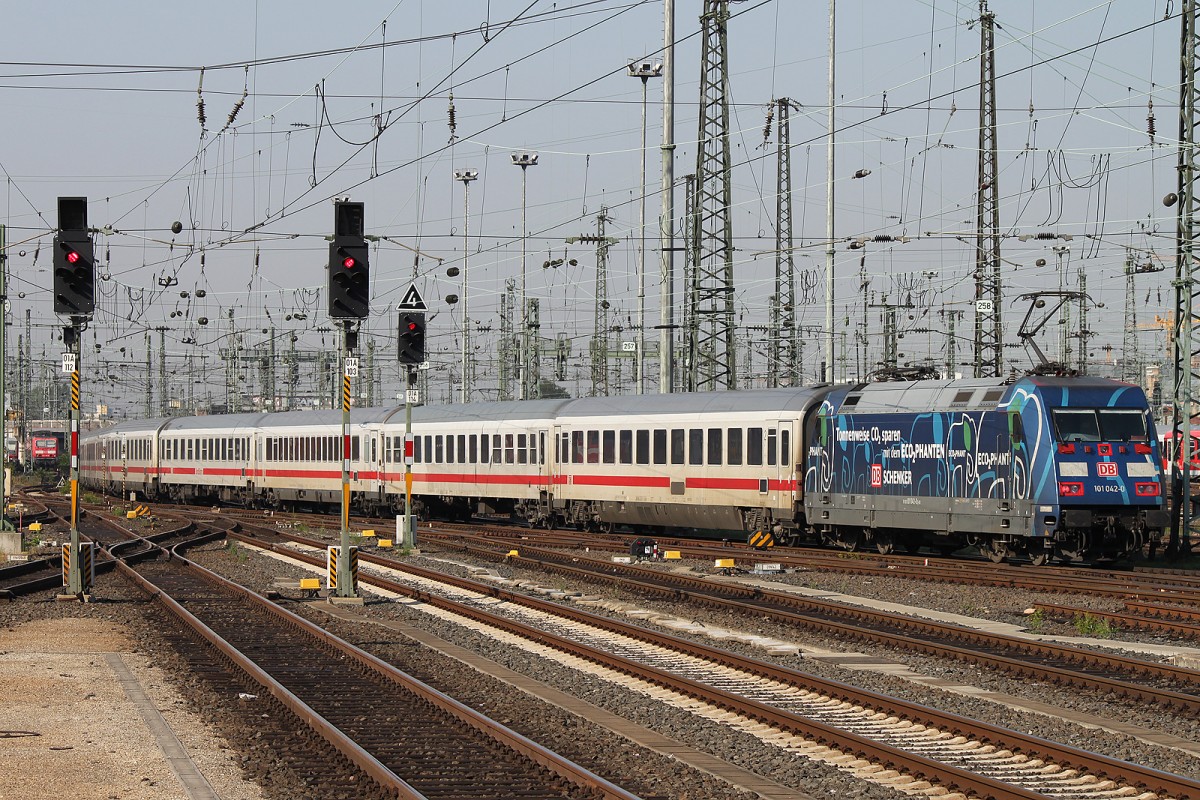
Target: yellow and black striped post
342, 584
86, 564
74, 579
333, 565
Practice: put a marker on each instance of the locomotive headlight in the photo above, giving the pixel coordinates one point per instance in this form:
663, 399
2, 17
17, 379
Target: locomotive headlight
1146, 489
1070, 488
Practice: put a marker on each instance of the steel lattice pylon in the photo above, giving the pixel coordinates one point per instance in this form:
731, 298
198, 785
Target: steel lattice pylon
1186, 341
784, 366
600, 326
691, 290
989, 332
715, 351
1131, 371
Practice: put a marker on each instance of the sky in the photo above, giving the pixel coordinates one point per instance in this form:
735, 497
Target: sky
306, 102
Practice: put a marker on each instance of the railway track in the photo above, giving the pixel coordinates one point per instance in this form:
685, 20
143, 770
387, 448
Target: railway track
390, 730
798, 713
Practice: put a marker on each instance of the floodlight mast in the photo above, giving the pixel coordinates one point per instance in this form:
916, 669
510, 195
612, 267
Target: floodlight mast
466, 176
529, 387
645, 71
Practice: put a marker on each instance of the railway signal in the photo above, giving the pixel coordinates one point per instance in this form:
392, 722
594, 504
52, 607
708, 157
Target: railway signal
74, 262
412, 338
349, 264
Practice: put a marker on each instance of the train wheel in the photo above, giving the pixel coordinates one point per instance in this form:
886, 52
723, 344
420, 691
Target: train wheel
885, 542
1040, 559
997, 550
851, 540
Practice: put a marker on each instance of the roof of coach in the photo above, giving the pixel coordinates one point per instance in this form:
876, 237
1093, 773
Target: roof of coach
128, 427
749, 401
510, 410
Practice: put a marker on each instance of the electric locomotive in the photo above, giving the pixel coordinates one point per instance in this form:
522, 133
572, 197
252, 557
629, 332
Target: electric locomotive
1041, 467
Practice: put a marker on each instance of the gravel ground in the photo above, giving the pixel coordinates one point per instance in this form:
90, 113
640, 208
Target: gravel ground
93, 742
642, 771
749, 752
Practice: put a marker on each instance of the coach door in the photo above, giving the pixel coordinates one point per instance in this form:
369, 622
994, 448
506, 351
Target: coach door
786, 463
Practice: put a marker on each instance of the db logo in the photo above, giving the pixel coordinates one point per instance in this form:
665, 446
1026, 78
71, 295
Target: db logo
1106, 469
877, 475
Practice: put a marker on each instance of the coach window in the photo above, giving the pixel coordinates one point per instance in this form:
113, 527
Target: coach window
642, 446
714, 447
754, 439
593, 447
522, 448
785, 450
509, 457
678, 440
576, 447
625, 446
734, 449
610, 446
439, 450
473, 443
696, 446
355, 444
191, 455
485, 447
450, 450
564, 448
660, 445
462, 448
541, 448
497, 449
772, 444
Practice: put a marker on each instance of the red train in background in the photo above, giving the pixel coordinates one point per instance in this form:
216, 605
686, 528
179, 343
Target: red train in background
43, 451
1170, 451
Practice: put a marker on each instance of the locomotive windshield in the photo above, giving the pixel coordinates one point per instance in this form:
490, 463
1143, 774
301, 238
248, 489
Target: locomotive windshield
1109, 425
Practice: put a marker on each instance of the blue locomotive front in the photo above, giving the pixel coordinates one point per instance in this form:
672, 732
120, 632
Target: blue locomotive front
1040, 467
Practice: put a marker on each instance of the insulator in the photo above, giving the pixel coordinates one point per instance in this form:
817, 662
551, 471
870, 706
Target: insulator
767, 127
1150, 129
200, 99
236, 108
453, 122
1045, 235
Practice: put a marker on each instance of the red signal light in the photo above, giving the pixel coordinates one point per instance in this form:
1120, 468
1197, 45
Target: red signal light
349, 263
72, 257
412, 326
